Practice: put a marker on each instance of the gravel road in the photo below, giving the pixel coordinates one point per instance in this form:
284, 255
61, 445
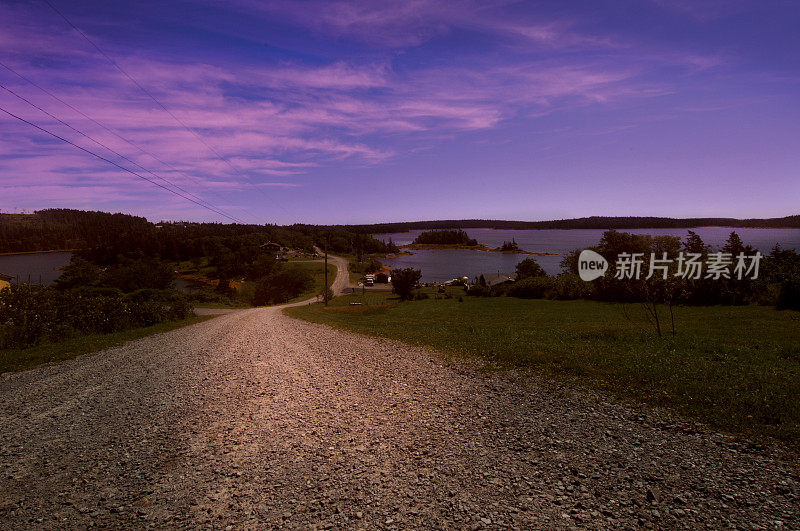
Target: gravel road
255, 420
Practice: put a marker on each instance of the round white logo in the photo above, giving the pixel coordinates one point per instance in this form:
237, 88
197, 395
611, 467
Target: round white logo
591, 265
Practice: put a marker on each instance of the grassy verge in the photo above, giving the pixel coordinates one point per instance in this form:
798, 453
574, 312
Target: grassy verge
736, 368
20, 359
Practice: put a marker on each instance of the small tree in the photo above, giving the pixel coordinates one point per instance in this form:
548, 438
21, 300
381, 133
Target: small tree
78, 273
282, 286
694, 244
404, 281
529, 268
326, 294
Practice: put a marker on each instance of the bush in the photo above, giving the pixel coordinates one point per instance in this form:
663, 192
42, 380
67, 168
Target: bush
131, 275
78, 272
478, 290
281, 286
531, 288
32, 314
529, 268
404, 281
328, 292
789, 296
370, 266
208, 296
569, 287
263, 266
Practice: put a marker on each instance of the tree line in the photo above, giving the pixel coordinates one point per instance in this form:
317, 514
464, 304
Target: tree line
445, 237
777, 283
593, 222
104, 236
122, 272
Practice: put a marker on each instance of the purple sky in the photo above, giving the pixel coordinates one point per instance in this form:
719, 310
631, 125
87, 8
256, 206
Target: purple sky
352, 112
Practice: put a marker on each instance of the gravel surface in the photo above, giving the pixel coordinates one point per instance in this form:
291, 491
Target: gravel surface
255, 420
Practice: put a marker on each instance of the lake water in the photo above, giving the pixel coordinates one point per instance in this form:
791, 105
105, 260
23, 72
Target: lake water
439, 266
36, 267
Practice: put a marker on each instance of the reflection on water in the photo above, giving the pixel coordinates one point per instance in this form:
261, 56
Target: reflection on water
439, 266
35, 267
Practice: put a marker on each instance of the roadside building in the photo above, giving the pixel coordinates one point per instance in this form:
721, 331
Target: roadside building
384, 275
276, 249
272, 247
495, 279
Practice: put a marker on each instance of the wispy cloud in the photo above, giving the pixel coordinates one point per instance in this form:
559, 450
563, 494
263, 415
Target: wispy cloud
276, 119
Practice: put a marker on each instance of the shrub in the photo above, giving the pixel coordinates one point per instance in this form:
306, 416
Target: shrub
478, 290
281, 286
529, 268
510, 246
789, 296
32, 314
569, 287
78, 272
404, 281
263, 266
531, 288
131, 275
370, 266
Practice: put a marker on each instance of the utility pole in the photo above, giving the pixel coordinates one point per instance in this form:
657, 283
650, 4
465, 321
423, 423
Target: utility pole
325, 286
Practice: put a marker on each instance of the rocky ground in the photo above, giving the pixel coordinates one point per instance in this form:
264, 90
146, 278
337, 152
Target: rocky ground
255, 420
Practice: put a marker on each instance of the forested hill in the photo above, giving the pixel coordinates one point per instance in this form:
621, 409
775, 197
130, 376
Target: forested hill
109, 235
121, 233
593, 222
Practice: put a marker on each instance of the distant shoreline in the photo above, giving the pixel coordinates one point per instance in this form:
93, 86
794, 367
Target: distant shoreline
406, 249
41, 252
587, 223
733, 228
479, 247
621, 229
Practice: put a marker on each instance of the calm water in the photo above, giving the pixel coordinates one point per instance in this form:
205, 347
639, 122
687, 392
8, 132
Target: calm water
37, 267
439, 266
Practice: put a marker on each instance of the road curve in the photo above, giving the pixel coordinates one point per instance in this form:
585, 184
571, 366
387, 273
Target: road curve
254, 419
342, 281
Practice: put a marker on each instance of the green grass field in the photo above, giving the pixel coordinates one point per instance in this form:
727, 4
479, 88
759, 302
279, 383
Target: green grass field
736, 368
20, 359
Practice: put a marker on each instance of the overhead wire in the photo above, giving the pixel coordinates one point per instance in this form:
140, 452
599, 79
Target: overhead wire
161, 105
121, 167
117, 153
111, 131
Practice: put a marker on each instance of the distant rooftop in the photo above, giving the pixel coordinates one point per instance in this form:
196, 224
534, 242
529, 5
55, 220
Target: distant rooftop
497, 278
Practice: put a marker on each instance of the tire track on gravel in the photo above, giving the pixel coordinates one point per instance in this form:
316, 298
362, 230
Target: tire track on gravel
254, 420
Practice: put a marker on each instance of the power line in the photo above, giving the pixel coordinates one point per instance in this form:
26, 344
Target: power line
152, 97
111, 131
218, 209
170, 190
